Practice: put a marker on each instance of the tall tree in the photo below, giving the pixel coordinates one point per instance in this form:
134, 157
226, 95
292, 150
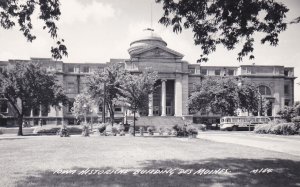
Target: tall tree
27, 86
83, 105
249, 97
224, 95
227, 22
13, 12
135, 90
104, 84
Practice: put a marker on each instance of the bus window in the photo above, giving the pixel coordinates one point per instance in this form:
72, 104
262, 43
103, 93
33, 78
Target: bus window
228, 120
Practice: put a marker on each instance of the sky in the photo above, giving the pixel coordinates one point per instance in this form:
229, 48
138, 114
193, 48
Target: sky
97, 30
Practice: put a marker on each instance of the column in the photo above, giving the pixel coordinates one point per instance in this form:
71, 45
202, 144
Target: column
178, 96
163, 97
150, 105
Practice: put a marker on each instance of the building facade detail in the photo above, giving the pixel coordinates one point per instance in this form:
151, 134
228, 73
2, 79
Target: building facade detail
176, 80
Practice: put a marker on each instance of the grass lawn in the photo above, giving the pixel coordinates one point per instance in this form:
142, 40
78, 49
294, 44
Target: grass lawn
32, 161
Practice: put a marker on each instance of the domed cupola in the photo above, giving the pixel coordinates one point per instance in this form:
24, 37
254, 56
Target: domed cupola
146, 42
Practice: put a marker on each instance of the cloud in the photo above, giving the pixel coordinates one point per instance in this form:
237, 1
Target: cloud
73, 11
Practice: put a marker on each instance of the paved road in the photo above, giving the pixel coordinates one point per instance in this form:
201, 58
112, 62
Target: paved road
279, 143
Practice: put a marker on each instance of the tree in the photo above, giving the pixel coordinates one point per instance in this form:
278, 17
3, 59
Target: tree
249, 97
135, 90
27, 86
83, 105
216, 95
224, 95
104, 85
20, 12
289, 112
227, 22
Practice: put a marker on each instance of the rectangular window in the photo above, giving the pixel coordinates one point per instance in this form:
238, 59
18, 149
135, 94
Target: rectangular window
71, 69
118, 109
36, 111
286, 72
230, 72
217, 72
71, 87
3, 106
1, 69
70, 106
203, 71
86, 69
286, 89
100, 108
45, 110
286, 102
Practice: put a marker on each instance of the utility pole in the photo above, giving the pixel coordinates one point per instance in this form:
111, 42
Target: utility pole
104, 101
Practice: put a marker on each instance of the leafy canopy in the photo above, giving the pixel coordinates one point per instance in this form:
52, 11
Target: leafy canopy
135, 89
224, 95
27, 86
104, 85
227, 22
83, 105
20, 12
32, 85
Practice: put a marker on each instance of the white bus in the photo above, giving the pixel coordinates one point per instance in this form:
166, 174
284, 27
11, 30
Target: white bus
241, 122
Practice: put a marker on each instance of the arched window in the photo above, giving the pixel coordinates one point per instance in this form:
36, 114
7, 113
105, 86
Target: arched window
264, 90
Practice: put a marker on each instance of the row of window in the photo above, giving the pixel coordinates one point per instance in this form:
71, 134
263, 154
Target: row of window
217, 72
85, 69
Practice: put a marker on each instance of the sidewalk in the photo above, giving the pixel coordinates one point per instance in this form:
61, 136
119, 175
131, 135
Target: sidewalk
279, 143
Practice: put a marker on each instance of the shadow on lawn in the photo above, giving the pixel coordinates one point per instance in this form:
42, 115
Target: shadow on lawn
285, 173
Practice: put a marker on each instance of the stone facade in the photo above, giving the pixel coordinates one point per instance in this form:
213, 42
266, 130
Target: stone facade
176, 80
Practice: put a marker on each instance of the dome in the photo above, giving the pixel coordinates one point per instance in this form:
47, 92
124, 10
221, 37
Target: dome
145, 42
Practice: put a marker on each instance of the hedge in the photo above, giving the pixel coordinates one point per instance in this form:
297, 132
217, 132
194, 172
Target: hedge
53, 130
279, 129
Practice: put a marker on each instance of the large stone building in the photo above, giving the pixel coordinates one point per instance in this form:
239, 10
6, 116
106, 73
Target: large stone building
176, 77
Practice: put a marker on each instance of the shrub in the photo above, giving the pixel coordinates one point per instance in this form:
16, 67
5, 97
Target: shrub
150, 130
141, 131
161, 131
296, 119
277, 128
203, 127
131, 131
85, 131
192, 131
64, 132
55, 130
126, 127
174, 132
263, 128
102, 128
181, 130
168, 131
45, 130
121, 128
111, 130
122, 133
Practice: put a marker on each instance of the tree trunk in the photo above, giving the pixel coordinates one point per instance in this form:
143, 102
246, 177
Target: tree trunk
112, 117
134, 123
20, 123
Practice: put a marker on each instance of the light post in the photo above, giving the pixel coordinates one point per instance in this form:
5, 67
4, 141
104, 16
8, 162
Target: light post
104, 101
